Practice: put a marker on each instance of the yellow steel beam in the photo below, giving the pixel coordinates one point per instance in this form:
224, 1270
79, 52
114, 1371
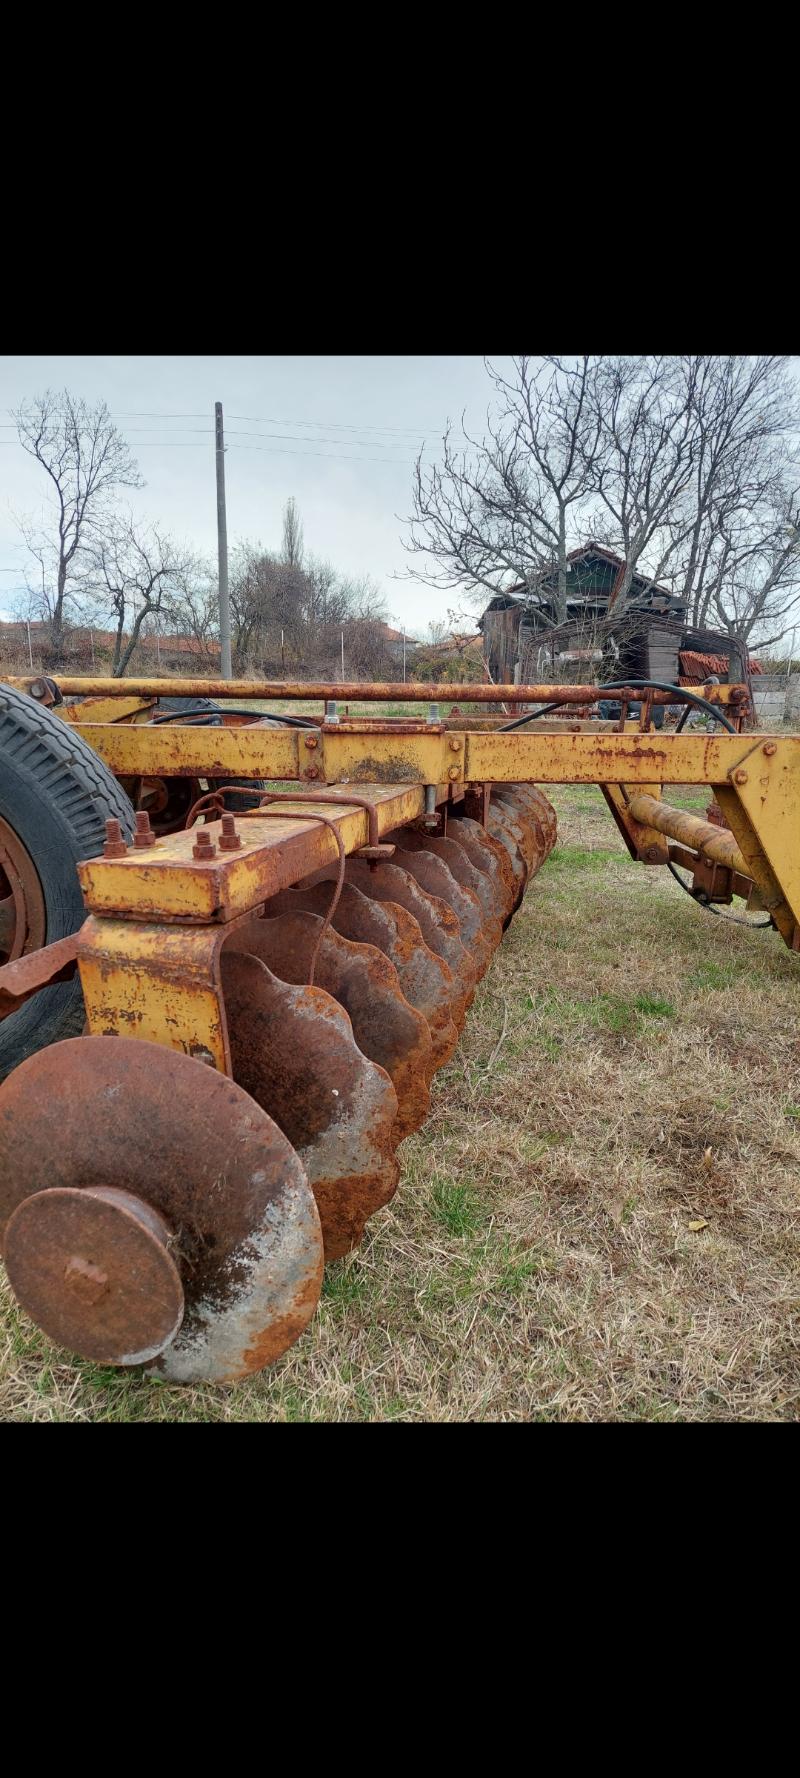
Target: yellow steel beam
336, 756
679, 824
654, 758
103, 709
157, 982
166, 882
644, 843
762, 806
164, 751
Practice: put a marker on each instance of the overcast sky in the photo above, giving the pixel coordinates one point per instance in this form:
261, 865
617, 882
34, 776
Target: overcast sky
340, 434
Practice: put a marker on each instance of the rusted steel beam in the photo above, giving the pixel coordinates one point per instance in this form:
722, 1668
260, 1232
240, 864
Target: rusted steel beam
54, 963
168, 882
353, 690
704, 836
427, 754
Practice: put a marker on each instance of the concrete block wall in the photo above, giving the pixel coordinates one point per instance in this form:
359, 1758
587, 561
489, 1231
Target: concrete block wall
777, 697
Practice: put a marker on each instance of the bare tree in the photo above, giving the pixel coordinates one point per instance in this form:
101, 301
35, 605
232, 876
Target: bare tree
87, 460
283, 613
731, 546
506, 506
685, 467
647, 424
132, 574
190, 604
292, 545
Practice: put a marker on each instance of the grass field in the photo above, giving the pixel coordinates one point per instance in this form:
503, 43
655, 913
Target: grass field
601, 1218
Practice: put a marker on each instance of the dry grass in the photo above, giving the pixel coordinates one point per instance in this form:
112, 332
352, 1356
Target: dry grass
630, 1067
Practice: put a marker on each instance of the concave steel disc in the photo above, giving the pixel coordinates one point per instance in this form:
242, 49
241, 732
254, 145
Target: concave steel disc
424, 978
486, 854
100, 1112
293, 1048
363, 981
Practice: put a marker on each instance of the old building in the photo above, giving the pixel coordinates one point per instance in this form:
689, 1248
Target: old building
524, 643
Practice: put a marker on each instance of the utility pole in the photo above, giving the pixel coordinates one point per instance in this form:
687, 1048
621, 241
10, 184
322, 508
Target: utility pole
404, 657
222, 541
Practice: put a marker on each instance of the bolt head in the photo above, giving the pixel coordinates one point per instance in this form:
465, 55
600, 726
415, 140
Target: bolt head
740, 777
311, 741
770, 748
311, 772
455, 745
453, 772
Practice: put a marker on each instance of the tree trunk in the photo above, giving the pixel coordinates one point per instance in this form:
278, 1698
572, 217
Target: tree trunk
57, 626
561, 598
120, 668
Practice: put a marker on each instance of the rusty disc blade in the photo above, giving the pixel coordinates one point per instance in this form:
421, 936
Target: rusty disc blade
487, 854
528, 830
424, 978
534, 796
389, 881
365, 983
446, 847
99, 1112
294, 1051
93, 1270
504, 827
436, 878
528, 803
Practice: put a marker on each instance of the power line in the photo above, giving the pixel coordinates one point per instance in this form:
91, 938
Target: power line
335, 425
267, 420
327, 456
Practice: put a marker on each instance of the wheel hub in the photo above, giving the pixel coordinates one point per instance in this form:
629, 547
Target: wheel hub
23, 921
92, 1269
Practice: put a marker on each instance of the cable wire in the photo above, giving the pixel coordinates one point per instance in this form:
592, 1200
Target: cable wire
702, 901
680, 691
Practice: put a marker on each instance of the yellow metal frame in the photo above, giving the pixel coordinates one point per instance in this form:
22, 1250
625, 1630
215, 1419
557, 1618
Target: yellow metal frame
348, 752
149, 953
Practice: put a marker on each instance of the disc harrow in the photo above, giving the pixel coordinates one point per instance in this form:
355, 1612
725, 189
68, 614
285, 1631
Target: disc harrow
169, 1216
269, 993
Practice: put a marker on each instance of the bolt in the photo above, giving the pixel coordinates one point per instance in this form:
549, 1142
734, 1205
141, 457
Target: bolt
38, 689
455, 746
204, 847
115, 846
770, 748
143, 835
311, 772
454, 772
229, 838
433, 713
311, 741
331, 712
740, 777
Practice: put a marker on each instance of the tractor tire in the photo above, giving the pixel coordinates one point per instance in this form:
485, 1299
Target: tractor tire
55, 797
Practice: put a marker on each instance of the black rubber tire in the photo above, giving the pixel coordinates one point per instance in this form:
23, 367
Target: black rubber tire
57, 795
